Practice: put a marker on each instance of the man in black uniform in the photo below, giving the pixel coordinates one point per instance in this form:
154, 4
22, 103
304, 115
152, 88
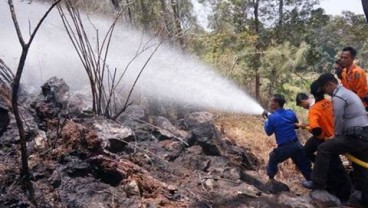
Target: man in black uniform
351, 135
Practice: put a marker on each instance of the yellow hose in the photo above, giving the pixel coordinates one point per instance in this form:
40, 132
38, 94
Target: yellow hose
356, 160
349, 156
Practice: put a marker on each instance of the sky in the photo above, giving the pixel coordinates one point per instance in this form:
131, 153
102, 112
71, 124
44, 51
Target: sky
332, 7
335, 7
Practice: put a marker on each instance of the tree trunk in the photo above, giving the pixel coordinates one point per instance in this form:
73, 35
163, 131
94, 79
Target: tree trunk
18, 119
257, 58
115, 4
166, 18
281, 13
145, 17
178, 30
129, 12
273, 82
15, 87
365, 8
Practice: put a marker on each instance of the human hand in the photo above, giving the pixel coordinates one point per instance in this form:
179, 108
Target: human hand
265, 114
301, 125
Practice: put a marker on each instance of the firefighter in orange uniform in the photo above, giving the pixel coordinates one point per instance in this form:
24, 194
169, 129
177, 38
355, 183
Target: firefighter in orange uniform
321, 126
353, 77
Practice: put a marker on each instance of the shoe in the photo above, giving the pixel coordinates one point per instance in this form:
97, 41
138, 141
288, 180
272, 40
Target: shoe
307, 184
324, 199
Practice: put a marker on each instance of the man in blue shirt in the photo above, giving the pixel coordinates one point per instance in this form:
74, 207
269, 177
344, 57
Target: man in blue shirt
281, 122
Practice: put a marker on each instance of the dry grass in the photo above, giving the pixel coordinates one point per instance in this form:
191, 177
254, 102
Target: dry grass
247, 131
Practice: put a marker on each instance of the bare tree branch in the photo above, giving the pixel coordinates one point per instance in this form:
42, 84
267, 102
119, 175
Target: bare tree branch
135, 82
15, 21
16, 82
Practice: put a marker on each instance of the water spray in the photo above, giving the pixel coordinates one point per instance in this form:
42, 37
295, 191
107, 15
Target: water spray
170, 76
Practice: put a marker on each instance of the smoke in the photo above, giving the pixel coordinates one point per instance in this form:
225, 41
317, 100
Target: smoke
170, 76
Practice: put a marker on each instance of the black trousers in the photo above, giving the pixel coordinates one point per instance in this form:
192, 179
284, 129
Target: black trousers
338, 181
356, 145
311, 146
293, 150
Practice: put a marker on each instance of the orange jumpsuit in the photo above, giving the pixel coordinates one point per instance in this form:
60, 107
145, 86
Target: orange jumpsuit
354, 79
320, 115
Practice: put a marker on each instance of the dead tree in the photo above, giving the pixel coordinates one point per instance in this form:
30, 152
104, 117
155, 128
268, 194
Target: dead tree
16, 82
105, 98
365, 8
115, 4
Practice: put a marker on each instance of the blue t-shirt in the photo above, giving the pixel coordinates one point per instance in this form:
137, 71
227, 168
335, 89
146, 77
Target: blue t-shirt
282, 123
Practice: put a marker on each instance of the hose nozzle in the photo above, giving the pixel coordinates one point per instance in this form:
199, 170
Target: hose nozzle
265, 114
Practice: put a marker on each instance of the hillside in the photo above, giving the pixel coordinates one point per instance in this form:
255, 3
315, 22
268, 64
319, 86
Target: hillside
146, 107
81, 160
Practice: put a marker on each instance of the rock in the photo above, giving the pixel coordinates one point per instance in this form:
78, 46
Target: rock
172, 188
194, 162
114, 145
194, 150
253, 177
80, 105
56, 90
75, 167
232, 173
324, 199
203, 135
40, 169
241, 156
132, 188
172, 146
40, 139
355, 198
133, 116
210, 183
199, 205
52, 102
295, 201
197, 118
114, 136
220, 167
162, 134
78, 138
109, 171
89, 192
165, 124
45, 111
149, 205
174, 149
276, 187
249, 191
55, 179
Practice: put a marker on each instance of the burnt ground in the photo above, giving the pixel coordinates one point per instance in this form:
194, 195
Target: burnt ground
80, 160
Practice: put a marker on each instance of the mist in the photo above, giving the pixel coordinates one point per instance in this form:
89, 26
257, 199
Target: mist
170, 76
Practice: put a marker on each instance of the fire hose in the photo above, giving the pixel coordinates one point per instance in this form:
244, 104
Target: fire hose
349, 156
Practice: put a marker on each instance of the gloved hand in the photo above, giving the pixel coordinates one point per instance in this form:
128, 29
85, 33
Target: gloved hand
265, 114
